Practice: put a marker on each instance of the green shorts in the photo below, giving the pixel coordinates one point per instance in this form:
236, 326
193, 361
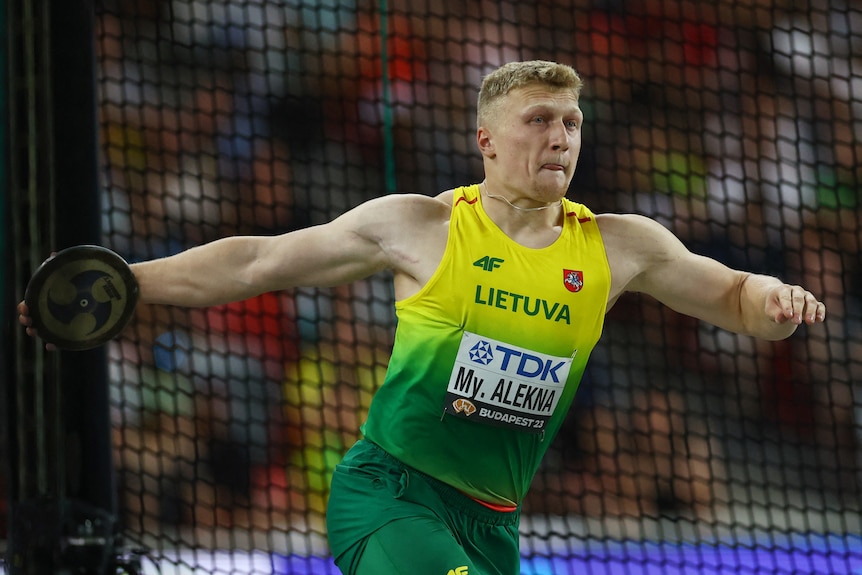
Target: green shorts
385, 517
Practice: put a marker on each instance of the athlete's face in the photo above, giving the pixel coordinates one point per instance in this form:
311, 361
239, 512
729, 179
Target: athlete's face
531, 142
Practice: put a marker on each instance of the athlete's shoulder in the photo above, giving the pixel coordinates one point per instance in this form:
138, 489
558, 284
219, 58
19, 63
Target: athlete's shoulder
418, 204
446, 197
406, 205
415, 209
628, 226
578, 210
464, 193
637, 241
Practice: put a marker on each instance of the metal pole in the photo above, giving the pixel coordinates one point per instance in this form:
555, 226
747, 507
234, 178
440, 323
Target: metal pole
63, 500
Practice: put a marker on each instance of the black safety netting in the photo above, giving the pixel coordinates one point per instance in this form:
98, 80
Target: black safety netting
737, 124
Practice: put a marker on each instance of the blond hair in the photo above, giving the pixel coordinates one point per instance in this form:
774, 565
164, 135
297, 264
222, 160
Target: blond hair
516, 75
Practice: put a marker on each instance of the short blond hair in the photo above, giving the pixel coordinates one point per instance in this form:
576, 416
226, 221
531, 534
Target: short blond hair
515, 75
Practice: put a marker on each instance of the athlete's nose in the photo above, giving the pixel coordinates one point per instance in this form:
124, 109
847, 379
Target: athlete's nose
559, 136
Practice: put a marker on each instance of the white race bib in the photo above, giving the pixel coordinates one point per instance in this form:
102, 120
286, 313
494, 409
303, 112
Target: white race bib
502, 384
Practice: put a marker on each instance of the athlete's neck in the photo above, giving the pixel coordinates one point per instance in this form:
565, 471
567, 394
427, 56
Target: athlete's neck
484, 186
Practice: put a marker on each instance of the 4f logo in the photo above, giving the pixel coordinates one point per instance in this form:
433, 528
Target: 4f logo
458, 571
488, 263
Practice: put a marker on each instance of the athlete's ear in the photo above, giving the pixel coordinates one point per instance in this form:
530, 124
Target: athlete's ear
485, 142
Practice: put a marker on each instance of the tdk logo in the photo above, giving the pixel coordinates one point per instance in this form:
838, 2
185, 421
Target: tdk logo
481, 353
517, 362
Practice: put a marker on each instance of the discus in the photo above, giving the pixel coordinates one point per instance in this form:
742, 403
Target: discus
82, 297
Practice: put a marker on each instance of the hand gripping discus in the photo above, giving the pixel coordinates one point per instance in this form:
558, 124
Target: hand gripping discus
82, 297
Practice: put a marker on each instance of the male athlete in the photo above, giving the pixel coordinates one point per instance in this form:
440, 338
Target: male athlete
501, 292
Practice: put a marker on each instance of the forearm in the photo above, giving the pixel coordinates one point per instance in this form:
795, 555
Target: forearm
211, 274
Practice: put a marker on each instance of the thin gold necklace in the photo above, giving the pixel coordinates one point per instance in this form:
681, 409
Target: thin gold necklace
519, 208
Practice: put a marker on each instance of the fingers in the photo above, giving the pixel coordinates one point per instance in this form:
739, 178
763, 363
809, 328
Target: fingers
798, 305
25, 320
24, 315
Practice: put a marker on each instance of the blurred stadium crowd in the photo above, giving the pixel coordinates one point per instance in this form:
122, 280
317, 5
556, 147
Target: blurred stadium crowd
738, 124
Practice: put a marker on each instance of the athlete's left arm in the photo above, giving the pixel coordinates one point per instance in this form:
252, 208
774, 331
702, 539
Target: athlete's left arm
646, 257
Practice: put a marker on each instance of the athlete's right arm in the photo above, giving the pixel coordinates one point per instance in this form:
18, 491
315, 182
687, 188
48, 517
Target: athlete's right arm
364, 240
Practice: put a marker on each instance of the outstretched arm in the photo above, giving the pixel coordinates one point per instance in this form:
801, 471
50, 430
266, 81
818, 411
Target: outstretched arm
354, 245
646, 257
404, 233
236, 268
